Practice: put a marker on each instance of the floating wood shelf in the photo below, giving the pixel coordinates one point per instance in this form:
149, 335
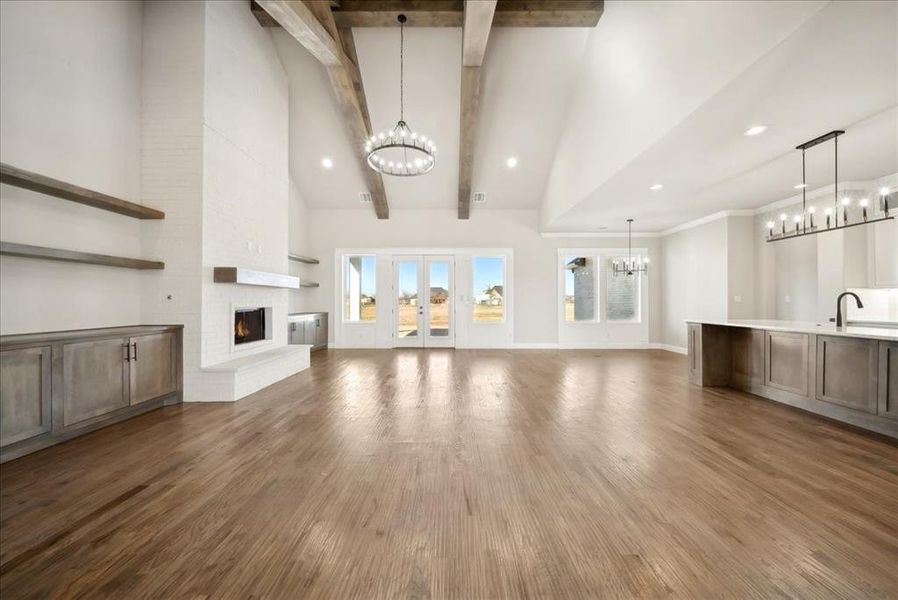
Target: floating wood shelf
248, 277
26, 251
73, 193
309, 284
303, 259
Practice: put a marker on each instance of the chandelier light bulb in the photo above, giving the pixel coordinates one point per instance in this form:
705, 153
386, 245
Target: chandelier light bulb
846, 201
770, 224
812, 209
783, 216
884, 191
797, 218
864, 202
828, 211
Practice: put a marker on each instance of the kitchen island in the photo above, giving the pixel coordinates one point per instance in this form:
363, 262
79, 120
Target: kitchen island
849, 374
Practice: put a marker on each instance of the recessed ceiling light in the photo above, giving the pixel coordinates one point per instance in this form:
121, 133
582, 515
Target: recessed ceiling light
756, 129
801, 186
327, 163
512, 162
656, 187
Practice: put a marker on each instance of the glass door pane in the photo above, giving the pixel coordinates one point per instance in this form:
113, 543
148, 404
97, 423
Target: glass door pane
439, 298
439, 316
409, 311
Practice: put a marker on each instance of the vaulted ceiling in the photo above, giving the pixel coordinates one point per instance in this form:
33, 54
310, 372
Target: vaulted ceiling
656, 92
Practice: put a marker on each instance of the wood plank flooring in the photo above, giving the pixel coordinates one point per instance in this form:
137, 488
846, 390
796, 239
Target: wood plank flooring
460, 474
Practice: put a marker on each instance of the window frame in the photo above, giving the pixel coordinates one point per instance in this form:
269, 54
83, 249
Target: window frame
599, 257
344, 273
504, 318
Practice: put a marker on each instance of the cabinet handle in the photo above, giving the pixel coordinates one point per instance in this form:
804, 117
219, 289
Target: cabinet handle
317, 322
127, 348
135, 351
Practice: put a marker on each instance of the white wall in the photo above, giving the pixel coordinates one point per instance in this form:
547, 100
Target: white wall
70, 98
535, 269
298, 242
172, 170
694, 278
245, 178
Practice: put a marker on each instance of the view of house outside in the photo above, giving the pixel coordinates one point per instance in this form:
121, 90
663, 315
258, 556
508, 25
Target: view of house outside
489, 288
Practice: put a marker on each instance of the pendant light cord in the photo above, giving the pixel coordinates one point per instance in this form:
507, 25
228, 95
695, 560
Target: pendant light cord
402, 67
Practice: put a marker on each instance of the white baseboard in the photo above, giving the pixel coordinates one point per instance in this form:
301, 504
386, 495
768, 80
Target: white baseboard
670, 348
556, 346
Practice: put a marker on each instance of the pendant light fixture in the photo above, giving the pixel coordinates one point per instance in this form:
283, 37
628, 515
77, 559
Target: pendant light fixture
401, 151
804, 221
630, 266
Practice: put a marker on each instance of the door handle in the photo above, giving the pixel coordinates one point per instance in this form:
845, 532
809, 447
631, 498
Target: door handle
135, 351
127, 348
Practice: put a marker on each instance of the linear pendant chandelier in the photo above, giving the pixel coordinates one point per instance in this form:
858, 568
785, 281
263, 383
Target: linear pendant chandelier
401, 152
803, 223
630, 266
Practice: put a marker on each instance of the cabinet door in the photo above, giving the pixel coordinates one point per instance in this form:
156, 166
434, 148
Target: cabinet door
786, 361
847, 372
321, 331
885, 254
298, 332
310, 332
24, 394
694, 342
888, 379
153, 366
95, 378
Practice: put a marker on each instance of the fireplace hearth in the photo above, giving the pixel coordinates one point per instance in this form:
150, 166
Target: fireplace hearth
249, 325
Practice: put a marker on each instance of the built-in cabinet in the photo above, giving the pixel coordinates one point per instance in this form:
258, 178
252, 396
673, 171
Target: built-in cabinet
308, 328
847, 372
850, 379
888, 380
55, 386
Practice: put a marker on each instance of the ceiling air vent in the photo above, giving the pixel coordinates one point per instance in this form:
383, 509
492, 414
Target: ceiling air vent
365, 197
479, 197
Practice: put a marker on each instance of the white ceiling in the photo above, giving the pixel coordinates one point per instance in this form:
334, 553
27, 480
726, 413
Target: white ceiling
657, 92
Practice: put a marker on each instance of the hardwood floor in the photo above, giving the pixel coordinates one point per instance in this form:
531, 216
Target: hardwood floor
460, 474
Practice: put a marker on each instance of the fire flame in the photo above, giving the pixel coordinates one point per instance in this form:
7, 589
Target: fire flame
240, 329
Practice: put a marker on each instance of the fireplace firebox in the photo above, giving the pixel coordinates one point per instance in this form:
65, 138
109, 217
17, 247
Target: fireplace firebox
249, 325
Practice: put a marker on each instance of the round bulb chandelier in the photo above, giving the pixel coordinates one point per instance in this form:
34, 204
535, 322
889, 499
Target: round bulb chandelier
401, 152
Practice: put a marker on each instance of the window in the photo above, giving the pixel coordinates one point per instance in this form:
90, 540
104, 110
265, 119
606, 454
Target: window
621, 293
489, 288
359, 288
579, 288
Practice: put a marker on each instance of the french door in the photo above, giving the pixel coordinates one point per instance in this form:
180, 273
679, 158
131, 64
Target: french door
423, 310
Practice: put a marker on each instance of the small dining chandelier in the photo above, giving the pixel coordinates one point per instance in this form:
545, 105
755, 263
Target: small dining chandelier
630, 266
401, 151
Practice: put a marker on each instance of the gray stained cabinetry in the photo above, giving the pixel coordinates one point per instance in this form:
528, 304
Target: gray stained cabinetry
847, 372
152, 366
308, 328
888, 380
95, 378
25, 375
786, 364
847, 378
55, 386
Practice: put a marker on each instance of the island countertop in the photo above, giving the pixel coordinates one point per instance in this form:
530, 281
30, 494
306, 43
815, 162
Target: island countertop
854, 331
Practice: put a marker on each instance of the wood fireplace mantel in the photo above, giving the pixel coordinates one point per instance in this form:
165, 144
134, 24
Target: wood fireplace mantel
249, 277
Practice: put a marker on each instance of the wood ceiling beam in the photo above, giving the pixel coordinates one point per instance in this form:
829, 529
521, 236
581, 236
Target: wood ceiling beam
478, 20
450, 13
312, 24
